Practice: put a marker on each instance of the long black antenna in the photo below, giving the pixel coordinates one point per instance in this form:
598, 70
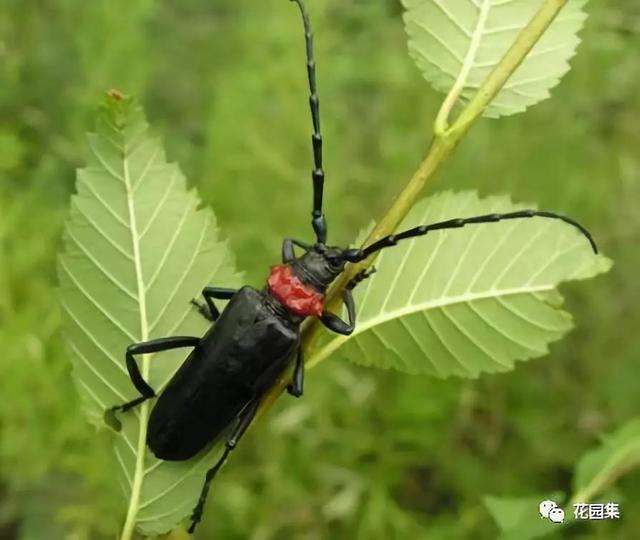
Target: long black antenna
317, 221
355, 255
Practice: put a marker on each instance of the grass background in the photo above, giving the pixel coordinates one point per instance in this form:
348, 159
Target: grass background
367, 454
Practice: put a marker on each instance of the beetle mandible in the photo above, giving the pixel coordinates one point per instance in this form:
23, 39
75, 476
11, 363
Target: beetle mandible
255, 338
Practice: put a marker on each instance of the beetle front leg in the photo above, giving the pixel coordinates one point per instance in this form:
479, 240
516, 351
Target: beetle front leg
148, 347
360, 277
210, 311
335, 323
244, 421
288, 251
297, 380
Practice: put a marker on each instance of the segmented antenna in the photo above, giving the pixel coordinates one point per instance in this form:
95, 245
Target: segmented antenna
317, 221
356, 255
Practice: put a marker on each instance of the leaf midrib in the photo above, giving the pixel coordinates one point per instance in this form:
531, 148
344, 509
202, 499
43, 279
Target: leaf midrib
467, 297
474, 45
136, 488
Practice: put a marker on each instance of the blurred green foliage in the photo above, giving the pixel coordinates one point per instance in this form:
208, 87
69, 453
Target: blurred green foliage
367, 454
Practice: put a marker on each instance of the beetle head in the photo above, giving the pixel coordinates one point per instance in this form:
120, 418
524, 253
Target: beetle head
321, 265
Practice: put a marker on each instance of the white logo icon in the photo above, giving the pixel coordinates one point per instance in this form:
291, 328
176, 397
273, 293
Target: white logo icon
546, 507
551, 511
556, 515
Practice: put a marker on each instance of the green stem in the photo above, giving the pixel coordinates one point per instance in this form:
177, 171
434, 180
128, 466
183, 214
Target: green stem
444, 142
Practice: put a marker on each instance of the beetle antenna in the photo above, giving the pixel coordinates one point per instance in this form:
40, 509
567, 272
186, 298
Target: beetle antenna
317, 221
355, 255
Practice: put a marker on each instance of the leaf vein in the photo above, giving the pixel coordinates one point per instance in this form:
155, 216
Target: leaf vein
99, 266
113, 243
124, 467
105, 164
115, 216
452, 18
96, 304
84, 359
171, 487
159, 207
500, 330
470, 337
439, 40
444, 344
188, 268
165, 256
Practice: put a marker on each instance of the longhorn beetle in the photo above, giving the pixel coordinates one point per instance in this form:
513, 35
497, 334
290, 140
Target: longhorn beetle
255, 338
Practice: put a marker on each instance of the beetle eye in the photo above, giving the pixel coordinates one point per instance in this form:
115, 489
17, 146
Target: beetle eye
334, 261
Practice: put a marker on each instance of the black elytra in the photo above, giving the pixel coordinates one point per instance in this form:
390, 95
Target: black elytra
219, 387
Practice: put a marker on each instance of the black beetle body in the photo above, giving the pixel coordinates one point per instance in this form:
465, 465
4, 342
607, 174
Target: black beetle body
239, 358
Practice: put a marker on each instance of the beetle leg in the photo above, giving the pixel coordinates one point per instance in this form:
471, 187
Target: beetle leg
297, 380
360, 276
335, 323
147, 347
210, 311
244, 421
288, 253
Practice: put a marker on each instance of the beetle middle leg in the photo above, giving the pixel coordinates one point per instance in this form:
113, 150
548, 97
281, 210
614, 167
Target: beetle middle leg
244, 421
148, 347
210, 311
335, 323
296, 387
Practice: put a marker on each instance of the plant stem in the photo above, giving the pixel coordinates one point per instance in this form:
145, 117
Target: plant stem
442, 145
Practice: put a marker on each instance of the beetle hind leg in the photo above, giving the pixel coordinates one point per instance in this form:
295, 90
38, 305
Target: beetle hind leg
244, 421
148, 347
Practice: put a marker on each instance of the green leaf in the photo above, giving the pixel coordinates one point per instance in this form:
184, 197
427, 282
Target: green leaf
518, 518
466, 301
136, 250
599, 468
459, 42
